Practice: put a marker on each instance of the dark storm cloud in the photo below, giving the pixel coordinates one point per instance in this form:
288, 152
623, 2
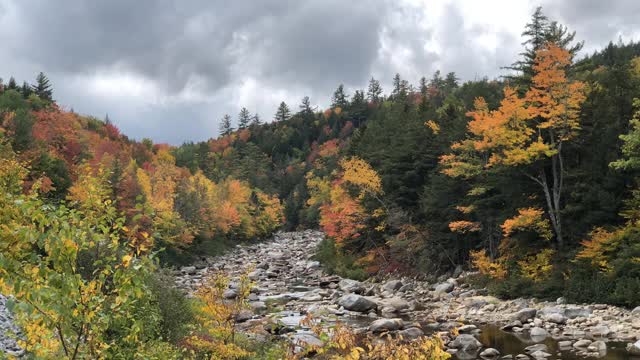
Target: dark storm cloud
154, 64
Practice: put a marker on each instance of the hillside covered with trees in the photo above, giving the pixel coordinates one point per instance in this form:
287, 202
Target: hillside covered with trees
531, 179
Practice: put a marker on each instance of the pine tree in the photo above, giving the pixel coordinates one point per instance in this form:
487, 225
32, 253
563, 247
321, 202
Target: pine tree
244, 118
256, 120
450, 82
423, 86
283, 113
537, 33
374, 92
339, 98
107, 120
305, 106
43, 87
225, 126
26, 90
12, 84
358, 98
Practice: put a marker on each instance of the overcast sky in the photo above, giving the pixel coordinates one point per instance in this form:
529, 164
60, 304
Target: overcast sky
169, 69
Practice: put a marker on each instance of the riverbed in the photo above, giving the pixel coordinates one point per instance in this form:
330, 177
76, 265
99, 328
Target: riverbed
289, 284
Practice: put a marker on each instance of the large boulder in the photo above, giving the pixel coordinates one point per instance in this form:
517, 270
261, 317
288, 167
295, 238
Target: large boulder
489, 353
351, 286
636, 310
524, 315
392, 285
353, 302
538, 332
395, 303
465, 342
411, 333
382, 325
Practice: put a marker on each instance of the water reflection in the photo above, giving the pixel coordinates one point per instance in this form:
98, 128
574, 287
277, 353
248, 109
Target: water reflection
513, 344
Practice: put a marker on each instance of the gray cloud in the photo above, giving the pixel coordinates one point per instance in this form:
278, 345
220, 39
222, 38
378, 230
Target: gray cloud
169, 69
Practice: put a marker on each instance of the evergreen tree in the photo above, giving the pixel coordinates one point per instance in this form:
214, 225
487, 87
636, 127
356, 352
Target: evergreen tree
225, 125
450, 82
537, 33
244, 118
339, 98
256, 120
283, 113
107, 120
43, 87
26, 90
305, 106
423, 86
12, 84
358, 98
374, 92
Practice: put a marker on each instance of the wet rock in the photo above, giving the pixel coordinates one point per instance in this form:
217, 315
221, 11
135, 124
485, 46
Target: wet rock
522, 357
466, 342
511, 325
598, 346
634, 349
636, 311
537, 347
467, 329
524, 315
540, 355
381, 325
584, 343
355, 302
489, 353
565, 344
351, 286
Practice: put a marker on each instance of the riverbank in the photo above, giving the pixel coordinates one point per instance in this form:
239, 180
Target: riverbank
289, 284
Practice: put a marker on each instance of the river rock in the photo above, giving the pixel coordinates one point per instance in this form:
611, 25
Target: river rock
634, 349
465, 342
467, 329
524, 315
443, 288
351, 286
600, 331
576, 312
537, 347
489, 353
411, 333
355, 302
381, 325
395, 303
582, 343
556, 318
598, 346
636, 311
392, 285
511, 325
230, 294
538, 332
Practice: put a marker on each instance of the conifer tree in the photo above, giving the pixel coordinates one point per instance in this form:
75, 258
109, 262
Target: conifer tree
244, 118
283, 113
225, 126
339, 98
305, 106
43, 87
374, 92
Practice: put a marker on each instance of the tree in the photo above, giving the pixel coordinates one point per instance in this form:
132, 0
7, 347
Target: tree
537, 33
12, 84
526, 133
339, 99
283, 113
256, 120
244, 118
43, 88
225, 126
358, 98
374, 91
305, 106
26, 90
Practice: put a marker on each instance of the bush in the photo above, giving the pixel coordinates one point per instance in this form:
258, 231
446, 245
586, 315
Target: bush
335, 262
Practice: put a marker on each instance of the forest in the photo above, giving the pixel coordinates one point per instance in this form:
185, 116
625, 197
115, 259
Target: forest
531, 180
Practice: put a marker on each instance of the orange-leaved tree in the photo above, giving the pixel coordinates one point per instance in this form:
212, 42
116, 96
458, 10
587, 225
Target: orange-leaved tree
526, 133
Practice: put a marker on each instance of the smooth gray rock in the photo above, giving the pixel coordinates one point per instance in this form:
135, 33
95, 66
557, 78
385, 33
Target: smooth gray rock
443, 288
351, 286
489, 353
634, 348
524, 315
392, 285
381, 325
538, 332
556, 318
411, 333
575, 312
355, 302
465, 342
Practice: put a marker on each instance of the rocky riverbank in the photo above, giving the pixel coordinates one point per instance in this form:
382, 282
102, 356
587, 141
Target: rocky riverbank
8, 332
289, 285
